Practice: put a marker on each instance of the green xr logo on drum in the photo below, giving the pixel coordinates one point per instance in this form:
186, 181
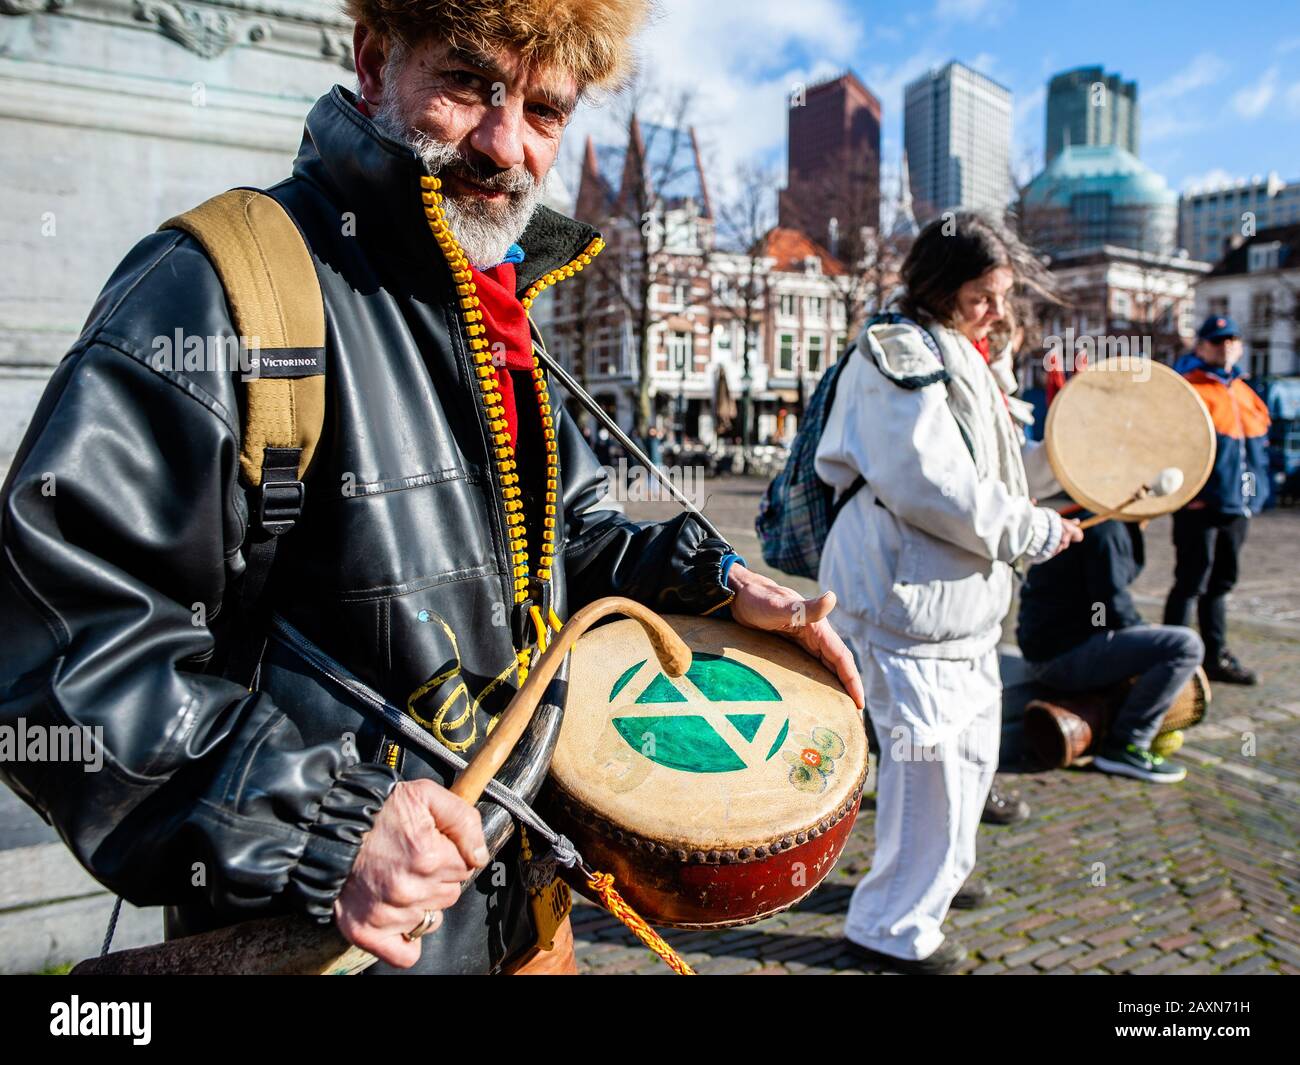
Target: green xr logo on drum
674, 734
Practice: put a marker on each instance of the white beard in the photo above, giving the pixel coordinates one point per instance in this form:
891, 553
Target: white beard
485, 231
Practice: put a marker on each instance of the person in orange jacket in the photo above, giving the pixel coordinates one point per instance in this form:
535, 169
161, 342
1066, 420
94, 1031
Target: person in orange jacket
1210, 531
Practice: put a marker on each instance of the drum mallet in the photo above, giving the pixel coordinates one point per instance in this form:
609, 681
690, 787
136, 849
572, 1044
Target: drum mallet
1165, 483
294, 946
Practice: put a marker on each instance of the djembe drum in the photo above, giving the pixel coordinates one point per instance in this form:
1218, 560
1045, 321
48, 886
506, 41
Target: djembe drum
1066, 727
716, 799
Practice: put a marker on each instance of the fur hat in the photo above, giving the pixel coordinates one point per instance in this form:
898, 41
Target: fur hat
591, 39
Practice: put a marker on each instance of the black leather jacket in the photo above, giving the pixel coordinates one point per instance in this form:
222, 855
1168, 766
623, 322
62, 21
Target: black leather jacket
123, 523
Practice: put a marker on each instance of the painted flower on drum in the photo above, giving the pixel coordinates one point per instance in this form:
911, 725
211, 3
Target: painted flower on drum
812, 759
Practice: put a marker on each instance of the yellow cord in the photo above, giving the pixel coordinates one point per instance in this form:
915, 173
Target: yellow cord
539, 626
602, 884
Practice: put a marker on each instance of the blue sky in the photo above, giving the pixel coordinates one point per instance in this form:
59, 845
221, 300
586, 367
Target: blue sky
1218, 83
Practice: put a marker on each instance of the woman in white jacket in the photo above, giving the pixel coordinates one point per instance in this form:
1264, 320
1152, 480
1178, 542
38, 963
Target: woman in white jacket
921, 560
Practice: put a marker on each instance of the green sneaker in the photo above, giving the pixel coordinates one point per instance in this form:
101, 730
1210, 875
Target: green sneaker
1138, 762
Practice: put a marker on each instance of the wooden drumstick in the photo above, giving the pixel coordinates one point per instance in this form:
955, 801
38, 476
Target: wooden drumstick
1165, 483
673, 655
294, 946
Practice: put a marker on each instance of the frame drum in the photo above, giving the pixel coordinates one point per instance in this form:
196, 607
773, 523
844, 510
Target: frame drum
717, 798
1116, 425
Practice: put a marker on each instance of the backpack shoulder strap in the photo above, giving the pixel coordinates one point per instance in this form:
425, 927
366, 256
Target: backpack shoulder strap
275, 300
278, 311
838, 504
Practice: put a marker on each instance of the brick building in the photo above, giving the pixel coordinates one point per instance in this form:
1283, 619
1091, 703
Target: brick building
769, 320
833, 184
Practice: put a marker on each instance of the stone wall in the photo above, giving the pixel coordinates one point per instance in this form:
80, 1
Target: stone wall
116, 115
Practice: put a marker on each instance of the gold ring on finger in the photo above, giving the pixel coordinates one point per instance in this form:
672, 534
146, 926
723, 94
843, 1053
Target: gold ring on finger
424, 927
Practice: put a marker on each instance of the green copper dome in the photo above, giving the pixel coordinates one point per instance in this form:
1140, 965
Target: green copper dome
1099, 170
1098, 195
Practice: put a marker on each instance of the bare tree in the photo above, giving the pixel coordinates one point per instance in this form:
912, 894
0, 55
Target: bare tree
657, 236
744, 220
870, 251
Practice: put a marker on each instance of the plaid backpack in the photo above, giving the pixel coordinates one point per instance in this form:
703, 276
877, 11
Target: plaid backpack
798, 507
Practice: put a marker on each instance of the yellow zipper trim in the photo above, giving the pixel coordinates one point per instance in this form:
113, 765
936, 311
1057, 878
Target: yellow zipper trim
485, 373
574, 266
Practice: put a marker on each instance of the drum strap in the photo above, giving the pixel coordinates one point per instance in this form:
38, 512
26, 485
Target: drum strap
601, 884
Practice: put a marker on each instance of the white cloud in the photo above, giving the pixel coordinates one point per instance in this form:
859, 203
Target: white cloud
1206, 69
1028, 133
1253, 100
1159, 127
1164, 109
1210, 179
739, 59
988, 11
1030, 102
888, 82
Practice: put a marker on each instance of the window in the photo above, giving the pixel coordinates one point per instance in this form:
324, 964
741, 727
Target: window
1264, 256
785, 350
605, 352
681, 293
789, 306
1261, 310
724, 338
680, 231
1123, 306
816, 308
1219, 306
679, 350
815, 343
1258, 358
841, 342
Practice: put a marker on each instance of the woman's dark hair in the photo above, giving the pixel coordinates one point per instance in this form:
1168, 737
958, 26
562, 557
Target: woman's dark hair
958, 247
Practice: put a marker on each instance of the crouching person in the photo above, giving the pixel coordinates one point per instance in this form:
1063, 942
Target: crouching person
1079, 631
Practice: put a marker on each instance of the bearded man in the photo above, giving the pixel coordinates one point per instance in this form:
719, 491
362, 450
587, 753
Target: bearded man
427, 548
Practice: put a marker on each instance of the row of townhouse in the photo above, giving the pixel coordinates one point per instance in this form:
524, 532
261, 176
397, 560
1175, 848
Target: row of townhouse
705, 331
722, 325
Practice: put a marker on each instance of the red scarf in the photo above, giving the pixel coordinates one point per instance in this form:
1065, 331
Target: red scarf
506, 323
507, 334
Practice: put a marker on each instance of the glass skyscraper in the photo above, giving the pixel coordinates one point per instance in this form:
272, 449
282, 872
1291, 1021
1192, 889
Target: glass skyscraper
957, 134
1088, 108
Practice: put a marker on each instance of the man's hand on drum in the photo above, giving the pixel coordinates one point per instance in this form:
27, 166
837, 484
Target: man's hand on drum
424, 844
761, 603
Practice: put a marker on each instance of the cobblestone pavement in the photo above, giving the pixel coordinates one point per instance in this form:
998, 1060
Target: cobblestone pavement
1109, 876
